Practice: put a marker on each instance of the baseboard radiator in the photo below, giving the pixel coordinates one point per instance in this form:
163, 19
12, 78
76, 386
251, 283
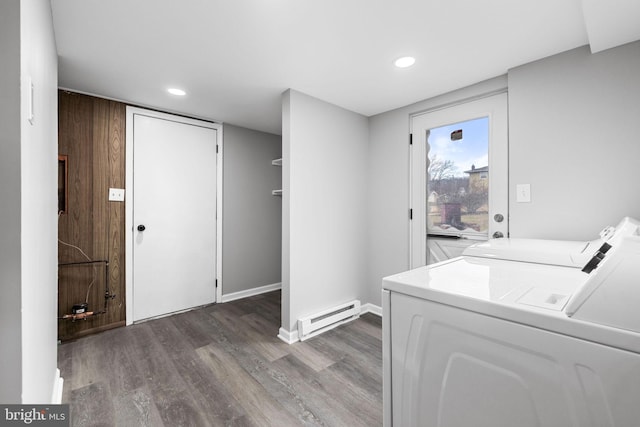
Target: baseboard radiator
320, 322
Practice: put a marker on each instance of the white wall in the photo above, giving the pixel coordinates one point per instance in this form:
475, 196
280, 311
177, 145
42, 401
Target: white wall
324, 206
574, 134
10, 320
252, 224
39, 204
28, 190
388, 184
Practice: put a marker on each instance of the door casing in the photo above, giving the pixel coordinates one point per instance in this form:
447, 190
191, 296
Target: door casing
495, 106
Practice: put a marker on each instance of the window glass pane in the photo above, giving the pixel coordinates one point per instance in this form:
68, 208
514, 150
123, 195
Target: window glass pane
458, 178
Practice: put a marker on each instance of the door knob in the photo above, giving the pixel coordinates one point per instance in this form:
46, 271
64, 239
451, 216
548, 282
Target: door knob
498, 235
141, 227
498, 217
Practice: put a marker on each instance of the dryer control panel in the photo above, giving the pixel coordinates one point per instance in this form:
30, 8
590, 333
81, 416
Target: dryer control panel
610, 295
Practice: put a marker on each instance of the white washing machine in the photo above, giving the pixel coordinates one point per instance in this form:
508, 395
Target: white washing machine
485, 342
554, 252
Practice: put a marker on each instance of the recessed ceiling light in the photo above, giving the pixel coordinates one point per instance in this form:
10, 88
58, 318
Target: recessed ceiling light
404, 62
175, 91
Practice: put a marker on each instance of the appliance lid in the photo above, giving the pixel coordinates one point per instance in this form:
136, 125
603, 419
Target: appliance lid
486, 280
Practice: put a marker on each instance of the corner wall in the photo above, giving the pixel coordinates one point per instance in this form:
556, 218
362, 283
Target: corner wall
252, 235
324, 206
39, 163
10, 254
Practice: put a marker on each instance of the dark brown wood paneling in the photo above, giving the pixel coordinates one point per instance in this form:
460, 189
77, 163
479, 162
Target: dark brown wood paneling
116, 236
91, 134
100, 178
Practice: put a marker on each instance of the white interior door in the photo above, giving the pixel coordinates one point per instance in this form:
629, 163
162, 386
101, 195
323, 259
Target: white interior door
448, 132
173, 222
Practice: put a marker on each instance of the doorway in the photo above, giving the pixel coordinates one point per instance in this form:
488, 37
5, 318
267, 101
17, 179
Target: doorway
173, 220
459, 178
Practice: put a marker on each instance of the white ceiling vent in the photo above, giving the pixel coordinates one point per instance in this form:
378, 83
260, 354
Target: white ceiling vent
611, 23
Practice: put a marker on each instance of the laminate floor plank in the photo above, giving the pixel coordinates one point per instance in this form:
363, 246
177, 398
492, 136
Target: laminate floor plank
230, 333
368, 325
223, 365
85, 362
214, 400
281, 387
189, 325
354, 398
263, 324
328, 406
310, 356
94, 408
258, 366
177, 409
270, 349
347, 340
152, 361
260, 406
204, 329
364, 363
354, 337
270, 309
136, 408
170, 392
115, 355
350, 369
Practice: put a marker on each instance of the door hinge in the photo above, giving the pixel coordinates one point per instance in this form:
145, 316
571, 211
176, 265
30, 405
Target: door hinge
410, 214
216, 283
410, 139
216, 148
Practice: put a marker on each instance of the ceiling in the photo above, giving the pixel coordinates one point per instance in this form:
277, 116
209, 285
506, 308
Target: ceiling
234, 58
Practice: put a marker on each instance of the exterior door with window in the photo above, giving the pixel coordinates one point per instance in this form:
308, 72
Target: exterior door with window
459, 178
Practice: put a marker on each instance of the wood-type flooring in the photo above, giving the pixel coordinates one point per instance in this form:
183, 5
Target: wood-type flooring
222, 365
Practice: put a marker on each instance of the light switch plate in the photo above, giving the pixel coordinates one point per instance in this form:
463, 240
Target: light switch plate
523, 193
116, 194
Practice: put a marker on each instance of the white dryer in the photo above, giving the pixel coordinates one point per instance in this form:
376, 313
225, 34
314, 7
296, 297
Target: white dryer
484, 342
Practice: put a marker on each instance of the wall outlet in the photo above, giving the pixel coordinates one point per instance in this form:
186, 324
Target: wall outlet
116, 194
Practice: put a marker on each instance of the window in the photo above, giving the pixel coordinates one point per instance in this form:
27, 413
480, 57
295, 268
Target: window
458, 178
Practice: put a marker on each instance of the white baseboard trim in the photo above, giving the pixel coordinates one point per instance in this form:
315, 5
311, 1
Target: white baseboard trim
250, 292
288, 337
58, 384
370, 308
